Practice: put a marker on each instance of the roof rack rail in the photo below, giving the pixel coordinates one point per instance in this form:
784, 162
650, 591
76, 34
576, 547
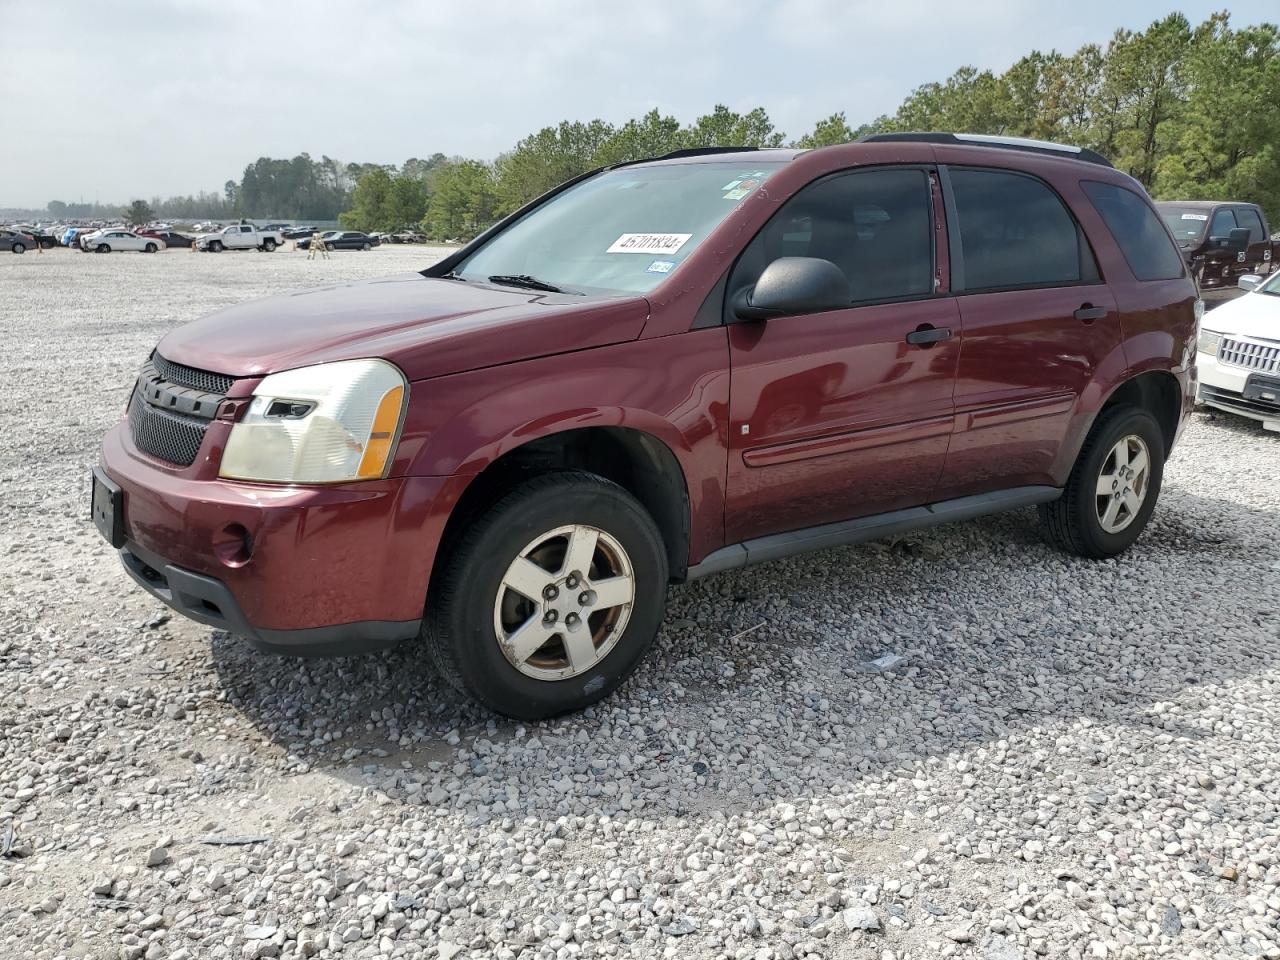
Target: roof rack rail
989, 140
702, 151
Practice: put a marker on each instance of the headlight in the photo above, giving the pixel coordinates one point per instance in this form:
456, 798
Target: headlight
329, 423
1208, 342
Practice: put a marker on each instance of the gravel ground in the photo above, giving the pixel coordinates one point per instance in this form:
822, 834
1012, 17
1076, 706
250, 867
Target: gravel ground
1071, 759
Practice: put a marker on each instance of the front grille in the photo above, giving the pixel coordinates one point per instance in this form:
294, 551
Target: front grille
1252, 356
184, 376
166, 436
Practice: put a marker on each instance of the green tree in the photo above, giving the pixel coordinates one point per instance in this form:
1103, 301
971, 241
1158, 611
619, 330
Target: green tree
1226, 142
368, 201
835, 129
723, 127
548, 158
650, 136
464, 200
139, 213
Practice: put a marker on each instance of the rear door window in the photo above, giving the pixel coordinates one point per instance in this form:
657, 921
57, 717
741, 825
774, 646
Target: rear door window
1016, 233
875, 225
1138, 232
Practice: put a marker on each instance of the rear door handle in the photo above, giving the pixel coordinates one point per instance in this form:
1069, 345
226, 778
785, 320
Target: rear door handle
926, 334
1089, 313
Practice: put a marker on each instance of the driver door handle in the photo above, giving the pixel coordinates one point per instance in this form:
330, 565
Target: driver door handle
1089, 313
926, 334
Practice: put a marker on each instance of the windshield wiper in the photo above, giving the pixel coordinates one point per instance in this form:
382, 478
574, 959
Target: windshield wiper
526, 281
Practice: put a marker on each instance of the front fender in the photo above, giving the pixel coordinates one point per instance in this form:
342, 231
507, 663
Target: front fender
675, 389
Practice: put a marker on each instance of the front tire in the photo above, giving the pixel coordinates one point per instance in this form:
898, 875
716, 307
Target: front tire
1113, 487
550, 599
103, 248
366, 247
19, 248
215, 247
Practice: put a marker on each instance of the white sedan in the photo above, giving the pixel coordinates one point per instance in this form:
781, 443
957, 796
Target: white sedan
117, 238
1238, 353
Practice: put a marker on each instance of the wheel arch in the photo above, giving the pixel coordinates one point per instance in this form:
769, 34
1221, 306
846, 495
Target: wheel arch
1156, 391
638, 461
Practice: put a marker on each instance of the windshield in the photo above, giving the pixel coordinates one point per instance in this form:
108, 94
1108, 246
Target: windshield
621, 231
1272, 286
1186, 224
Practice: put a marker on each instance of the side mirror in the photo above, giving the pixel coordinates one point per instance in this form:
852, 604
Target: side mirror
1237, 241
1250, 281
794, 285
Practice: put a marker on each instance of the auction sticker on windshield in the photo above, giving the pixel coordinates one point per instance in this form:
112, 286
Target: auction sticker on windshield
649, 243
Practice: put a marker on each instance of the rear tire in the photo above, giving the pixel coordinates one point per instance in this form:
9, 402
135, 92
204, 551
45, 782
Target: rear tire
592, 620
1113, 486
149, 248
268, 246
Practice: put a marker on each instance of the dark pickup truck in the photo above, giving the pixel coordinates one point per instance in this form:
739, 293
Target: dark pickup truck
1221, 241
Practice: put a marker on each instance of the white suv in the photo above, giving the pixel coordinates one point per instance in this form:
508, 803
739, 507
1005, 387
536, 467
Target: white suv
1239, 353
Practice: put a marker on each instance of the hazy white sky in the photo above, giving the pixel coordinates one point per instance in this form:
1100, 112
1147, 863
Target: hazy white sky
157, 97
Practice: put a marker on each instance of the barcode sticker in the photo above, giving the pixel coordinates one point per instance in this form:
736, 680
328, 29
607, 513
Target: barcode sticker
649, 243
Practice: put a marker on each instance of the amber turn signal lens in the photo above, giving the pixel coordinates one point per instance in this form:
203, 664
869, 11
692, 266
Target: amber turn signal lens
383, 433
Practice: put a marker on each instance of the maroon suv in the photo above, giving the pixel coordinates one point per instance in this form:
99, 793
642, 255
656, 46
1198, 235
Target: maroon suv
658, 371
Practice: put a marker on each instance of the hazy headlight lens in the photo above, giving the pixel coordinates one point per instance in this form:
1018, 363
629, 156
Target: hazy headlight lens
1209, 342
329, 423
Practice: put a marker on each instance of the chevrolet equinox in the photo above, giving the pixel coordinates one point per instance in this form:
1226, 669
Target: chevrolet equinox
658, 371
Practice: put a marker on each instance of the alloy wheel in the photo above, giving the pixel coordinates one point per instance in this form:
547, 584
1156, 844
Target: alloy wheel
564, 602
1122, 483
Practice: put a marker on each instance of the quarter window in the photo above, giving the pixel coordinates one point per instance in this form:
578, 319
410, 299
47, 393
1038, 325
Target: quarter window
1138, 232
874, 225
1015, 233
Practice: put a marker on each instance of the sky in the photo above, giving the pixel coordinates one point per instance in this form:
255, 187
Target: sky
162, 97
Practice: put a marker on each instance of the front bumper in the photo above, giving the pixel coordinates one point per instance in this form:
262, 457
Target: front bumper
316, 570
1224, 387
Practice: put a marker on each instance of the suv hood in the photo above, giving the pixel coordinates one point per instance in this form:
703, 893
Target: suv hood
1252, 315
428, 327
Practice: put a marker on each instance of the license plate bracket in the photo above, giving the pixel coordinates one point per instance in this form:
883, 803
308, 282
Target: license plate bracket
107, 508
1263, 389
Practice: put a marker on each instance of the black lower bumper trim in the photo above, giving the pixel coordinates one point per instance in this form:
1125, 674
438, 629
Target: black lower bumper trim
208, 600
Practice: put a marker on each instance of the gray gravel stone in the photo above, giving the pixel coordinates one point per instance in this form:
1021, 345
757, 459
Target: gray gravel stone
1074, 755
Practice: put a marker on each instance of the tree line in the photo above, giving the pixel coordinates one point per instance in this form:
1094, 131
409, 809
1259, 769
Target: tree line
1192, 112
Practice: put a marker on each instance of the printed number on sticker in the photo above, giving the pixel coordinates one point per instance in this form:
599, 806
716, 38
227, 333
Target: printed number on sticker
649, 243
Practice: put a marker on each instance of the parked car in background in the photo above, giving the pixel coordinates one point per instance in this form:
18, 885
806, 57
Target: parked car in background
240, 236
170, 238
408, 236
15, 241
667, 369
1221, 241
43, 237
343, 240
1239, 353
116, 239
298, 233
